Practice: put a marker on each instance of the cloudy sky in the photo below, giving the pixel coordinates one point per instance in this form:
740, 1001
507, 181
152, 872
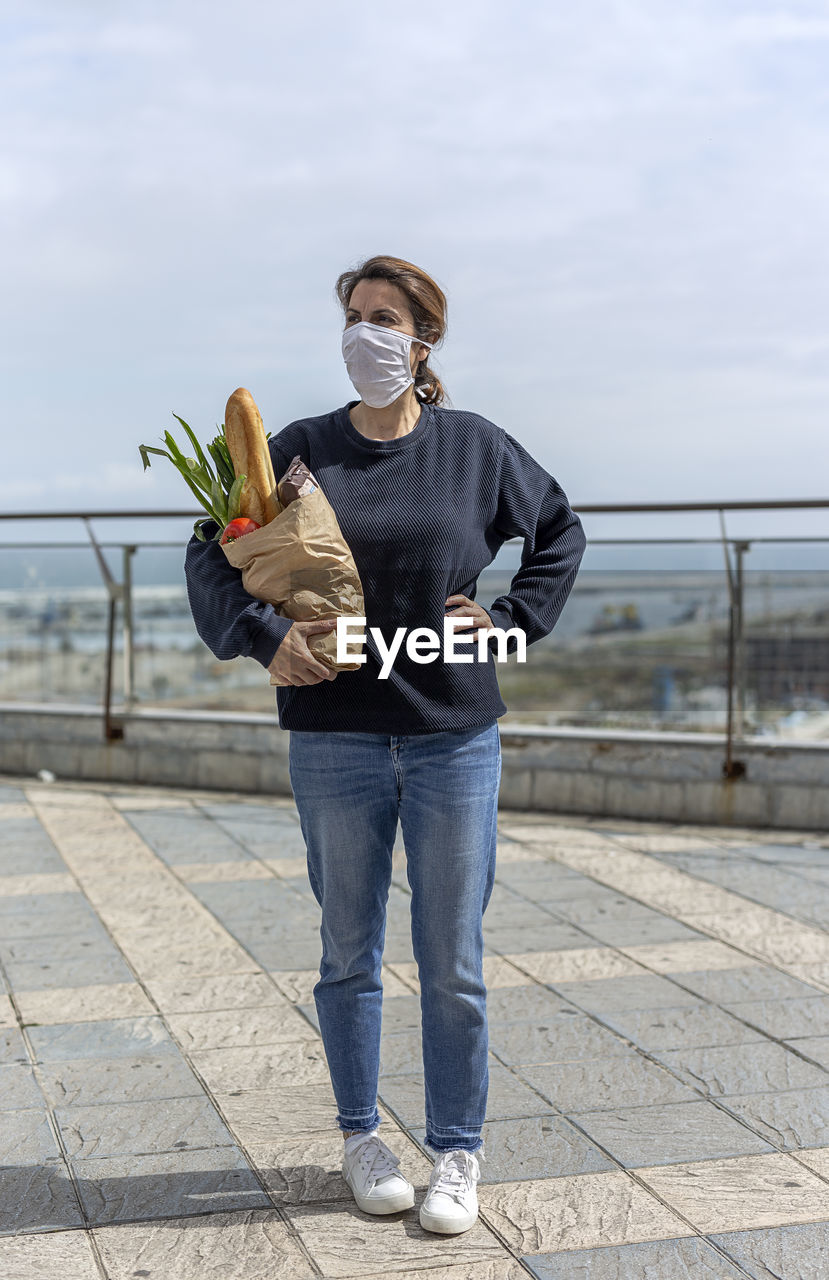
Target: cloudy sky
626, 202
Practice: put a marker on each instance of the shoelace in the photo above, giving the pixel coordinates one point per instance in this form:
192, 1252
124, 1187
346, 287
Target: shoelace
376, 1160
454, 1172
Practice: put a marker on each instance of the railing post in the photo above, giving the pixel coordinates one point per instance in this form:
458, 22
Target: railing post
740, 550
113, 731
129, 648
733, 768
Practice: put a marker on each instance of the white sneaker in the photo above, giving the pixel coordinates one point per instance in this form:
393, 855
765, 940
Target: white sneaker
370, 1170
451, 1203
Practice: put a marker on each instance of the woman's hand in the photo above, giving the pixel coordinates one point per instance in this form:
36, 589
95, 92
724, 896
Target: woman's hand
467, 608
294, 663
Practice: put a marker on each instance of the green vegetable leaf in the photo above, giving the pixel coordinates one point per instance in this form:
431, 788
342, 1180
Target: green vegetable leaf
234, 498
219, 503
199, 451
145, 449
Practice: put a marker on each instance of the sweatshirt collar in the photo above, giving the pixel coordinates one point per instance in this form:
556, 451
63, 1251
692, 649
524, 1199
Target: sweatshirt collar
384, 446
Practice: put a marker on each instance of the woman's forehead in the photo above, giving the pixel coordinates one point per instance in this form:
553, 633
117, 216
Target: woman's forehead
374, 293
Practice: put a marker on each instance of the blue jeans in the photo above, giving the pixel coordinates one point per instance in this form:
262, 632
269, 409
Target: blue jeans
350, 789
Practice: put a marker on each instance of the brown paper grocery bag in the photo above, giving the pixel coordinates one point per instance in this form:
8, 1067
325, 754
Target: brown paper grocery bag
301, 564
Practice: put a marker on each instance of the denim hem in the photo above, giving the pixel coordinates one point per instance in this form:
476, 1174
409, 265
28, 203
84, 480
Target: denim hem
360, 1123
460, 1144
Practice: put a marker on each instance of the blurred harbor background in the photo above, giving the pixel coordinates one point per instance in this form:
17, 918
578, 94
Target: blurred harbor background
637, 647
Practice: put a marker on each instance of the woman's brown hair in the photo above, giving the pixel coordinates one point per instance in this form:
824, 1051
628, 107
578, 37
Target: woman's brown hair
428, 304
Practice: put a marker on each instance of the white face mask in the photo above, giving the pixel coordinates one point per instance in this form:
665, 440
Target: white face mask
377, 360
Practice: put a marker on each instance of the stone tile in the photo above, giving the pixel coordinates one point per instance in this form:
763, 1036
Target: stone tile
185, 837
684, 1259
398, 980
506, 908
26, 1137
38, 882
294, 870
816, 1047
121, 1128
786, 1019
618, 933
92, 1081
625, 1081
400, 1052
577, 1212
342, 1238
509, 1097
742, 1068
750, 1191
751, 982
796, 1251
148, 799
817, 1159
39, 975
539, 1147
199, 958
562, 1037
18, 1088
306, 1167
259, 1116
109, 1038
817, 975
227, 1028
205, 872
505, 1268
648, 991
228, 1070
681, 957
602, 904
216, 1246
695, 1025
796, 1118
84, 1004
297, 985
552, 937
671, 1133
91, 943
73, 913
168, 1183
67, 1254
577, 964
518, 1003
56, 905
219, 991
777, 940
8, 1017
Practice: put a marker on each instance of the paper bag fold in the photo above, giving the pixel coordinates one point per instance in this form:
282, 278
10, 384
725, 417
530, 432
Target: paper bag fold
302, 565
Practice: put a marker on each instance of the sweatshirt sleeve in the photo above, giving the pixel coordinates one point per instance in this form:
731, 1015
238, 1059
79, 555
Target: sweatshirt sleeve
230, 621
533, 506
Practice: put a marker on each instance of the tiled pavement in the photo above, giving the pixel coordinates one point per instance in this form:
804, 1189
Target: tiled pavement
659, 1034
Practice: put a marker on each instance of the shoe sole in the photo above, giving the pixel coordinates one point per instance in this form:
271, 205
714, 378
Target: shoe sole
390, 1204
445, 1226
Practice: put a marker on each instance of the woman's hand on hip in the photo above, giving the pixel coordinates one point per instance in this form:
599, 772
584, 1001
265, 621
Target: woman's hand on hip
466, 608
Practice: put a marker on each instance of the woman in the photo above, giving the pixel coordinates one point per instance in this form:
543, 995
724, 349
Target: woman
425, 496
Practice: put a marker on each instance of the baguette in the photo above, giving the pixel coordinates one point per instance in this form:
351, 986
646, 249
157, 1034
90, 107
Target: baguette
249, 453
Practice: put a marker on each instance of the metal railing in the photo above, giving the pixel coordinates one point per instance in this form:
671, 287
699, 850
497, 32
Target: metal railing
735, 550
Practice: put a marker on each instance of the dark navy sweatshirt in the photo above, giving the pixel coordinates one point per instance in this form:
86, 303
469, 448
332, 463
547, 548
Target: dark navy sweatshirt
423, 515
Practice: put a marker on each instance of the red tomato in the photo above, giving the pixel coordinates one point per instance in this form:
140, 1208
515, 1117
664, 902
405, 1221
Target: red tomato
237, 529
